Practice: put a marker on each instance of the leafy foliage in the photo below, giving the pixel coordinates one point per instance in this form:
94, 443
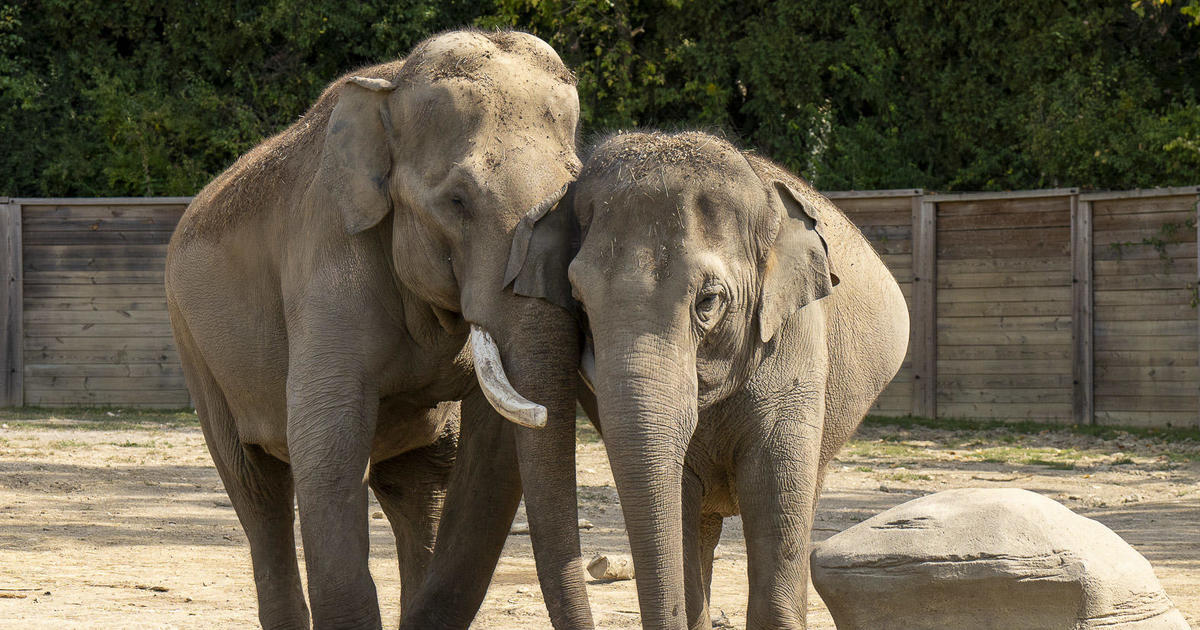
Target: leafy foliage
141, 97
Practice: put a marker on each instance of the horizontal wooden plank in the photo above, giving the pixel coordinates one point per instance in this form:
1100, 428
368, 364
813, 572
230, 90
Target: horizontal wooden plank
1183, 373
1105, 343
144, 237
34, 224
1010, 411
1033, 248
1151, 312
1023, 395
1005, 294
134, 342
170, 398
1144, 328
114, 369
1104, 298
102, 211
1181, 356
95, 277
1058, 217
57, 357
1143, 283
889, 215
992, 265
35, 317
884, 233
985, 207
95, 290
893, 246
1060, 308
950, 367
1166, 266
951, 280
1117, 239
1030, 323
118, 250
1002, 337
95, 263
105, 383
1147, 418
1154, 223
951, 382
1142, 251
1105, 400
1043, 352
1148, 388
897, 261
94, 304
162, 329
1165, 203
101, 201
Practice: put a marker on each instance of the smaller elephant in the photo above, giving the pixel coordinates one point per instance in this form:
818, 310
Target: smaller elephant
742, 327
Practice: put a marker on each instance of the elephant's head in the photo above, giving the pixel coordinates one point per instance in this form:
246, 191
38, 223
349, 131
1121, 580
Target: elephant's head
451, 150
692, 258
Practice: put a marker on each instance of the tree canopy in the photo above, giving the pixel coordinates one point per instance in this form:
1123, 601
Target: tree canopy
153, 97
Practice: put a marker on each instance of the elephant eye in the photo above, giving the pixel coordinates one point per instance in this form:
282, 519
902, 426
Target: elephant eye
708, 306
459, 204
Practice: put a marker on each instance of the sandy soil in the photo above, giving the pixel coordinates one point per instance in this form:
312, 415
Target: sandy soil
129, 527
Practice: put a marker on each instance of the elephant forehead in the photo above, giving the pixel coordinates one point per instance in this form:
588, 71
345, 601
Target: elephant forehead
475, 55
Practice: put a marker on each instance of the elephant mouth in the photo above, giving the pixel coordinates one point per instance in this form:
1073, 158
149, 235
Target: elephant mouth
494, 383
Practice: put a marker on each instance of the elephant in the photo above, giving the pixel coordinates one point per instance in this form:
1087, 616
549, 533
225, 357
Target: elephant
740, 329
342, 284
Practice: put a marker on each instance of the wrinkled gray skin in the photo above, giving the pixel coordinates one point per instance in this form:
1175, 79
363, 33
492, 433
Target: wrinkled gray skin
321, 292
734, 355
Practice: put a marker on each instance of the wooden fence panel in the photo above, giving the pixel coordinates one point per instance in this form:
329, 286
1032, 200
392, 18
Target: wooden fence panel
1046, 305
885, 218
1145, 320
95, 323
1004, 305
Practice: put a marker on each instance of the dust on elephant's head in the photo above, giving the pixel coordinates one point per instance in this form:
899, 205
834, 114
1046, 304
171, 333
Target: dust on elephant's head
450, 149
697, 238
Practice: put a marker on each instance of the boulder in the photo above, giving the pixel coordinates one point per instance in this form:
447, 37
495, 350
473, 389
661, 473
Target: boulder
998, 558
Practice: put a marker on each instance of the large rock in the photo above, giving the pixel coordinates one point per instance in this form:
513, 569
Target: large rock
987, 558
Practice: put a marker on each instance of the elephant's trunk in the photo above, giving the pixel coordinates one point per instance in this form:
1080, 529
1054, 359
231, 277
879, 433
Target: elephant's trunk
540, 349
646, 390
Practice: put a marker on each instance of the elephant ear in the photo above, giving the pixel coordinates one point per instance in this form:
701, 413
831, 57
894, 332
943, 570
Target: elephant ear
797, 267
543, 245
355, 160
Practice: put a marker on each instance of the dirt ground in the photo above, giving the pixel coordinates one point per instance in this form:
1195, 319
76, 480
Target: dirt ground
123, 523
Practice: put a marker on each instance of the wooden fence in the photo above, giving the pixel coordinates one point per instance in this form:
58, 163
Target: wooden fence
1048, 305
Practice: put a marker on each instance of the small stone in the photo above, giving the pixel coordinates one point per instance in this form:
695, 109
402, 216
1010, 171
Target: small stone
585, 524
377, 515
611, 567
519, 529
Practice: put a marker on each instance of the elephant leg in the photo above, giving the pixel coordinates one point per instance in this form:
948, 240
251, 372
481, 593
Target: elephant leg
331, 423
411, 488
484, 491
776, 478
259, 488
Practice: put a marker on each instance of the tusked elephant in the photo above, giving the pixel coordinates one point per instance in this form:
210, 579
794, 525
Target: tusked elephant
742, 327
342, 282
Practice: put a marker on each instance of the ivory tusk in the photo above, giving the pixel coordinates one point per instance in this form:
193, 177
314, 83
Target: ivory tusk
496, 388
587, 367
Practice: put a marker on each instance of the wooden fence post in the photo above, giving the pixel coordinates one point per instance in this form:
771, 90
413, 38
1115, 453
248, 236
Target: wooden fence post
12, 364
924, 324
1082, 355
